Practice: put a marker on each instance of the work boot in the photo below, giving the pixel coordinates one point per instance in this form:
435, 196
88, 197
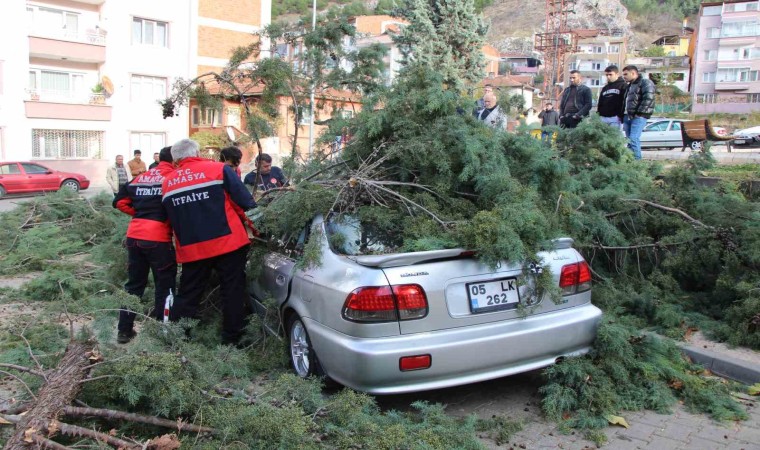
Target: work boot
125, 336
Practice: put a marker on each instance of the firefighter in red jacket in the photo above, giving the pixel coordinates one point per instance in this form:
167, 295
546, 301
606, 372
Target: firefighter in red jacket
203, 200
149, 241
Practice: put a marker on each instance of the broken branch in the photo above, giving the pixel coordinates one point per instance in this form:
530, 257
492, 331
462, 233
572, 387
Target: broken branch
119, 415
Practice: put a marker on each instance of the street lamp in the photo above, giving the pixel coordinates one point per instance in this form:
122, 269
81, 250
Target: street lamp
311, 100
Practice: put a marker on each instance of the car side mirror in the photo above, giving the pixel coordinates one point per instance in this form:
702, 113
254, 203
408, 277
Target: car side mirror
48, 172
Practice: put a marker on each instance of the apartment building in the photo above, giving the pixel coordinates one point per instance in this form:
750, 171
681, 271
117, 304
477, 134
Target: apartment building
664, 70
80, 80
597, 50
726, 74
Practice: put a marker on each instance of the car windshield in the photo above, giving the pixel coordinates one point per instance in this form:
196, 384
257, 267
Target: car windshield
348, 235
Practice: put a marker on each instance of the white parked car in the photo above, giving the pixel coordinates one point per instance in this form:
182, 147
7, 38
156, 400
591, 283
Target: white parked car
747, 136
666, 133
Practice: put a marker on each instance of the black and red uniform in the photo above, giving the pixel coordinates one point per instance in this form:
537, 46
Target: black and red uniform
149, 240
204, 200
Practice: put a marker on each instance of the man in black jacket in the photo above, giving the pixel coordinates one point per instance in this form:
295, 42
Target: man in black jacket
611, 104
639, 106
549, 117
575, 103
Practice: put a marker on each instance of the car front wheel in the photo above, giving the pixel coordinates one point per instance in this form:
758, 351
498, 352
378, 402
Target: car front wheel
70, 184
696, 145
303, 360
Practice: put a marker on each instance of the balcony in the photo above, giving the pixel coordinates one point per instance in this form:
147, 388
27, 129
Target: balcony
67, 105
88, 47
732, 85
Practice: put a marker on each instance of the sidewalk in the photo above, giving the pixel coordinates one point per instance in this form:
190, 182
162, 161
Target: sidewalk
719, 152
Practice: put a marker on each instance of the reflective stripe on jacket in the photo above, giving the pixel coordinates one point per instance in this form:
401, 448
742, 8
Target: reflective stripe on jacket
198, 198
141, 199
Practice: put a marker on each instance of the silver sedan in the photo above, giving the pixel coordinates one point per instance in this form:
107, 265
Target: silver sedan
387, 323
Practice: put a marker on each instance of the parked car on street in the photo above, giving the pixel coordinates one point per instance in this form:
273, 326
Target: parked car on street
24, 177
662, 132
747, 137
385, 322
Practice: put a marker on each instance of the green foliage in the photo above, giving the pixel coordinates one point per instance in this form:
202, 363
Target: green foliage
679, 8
444, 36
654, 50
500, 428
630, 371
209, 139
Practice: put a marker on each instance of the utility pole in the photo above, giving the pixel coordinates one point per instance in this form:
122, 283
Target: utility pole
311, 99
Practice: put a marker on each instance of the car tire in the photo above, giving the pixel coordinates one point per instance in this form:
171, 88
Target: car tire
2, 192
303, 359
70, 184
696, 145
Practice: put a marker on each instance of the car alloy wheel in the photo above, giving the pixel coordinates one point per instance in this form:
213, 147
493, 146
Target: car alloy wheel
71, 184
696, 145
303, 360
2, 191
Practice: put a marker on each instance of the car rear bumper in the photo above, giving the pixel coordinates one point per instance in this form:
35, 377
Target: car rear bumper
459, 355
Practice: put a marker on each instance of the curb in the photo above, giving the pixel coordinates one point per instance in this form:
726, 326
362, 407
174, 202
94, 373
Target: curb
733, 368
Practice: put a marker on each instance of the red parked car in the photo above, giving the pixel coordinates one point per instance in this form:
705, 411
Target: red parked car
21, 177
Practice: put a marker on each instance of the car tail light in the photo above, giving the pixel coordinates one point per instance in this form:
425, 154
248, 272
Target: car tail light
412, 302
575, 278
417, 362
386, 303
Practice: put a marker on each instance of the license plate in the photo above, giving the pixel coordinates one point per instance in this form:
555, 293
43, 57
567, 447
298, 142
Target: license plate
739, 141
493, 295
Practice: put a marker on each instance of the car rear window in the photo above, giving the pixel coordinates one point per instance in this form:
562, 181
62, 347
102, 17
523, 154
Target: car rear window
348, 235
9, 169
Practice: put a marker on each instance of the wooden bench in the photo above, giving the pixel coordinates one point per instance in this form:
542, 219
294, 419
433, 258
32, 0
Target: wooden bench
696, 132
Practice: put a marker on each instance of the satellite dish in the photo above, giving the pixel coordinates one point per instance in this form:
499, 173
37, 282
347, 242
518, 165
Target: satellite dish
107, 85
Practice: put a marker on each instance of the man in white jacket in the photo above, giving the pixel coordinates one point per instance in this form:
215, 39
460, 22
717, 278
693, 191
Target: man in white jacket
117, 175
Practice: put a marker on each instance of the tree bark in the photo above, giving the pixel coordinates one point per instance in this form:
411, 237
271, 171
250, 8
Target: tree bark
62, 386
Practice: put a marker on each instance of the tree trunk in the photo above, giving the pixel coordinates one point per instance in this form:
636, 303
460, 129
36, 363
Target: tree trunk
62, 386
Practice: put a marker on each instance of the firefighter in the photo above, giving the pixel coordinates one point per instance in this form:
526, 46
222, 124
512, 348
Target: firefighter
149, 241
204, 200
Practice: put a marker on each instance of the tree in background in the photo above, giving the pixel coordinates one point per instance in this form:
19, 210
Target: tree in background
322, 63
445, 36
653, 51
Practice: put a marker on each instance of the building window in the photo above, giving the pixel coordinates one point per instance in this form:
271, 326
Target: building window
206, 117
148, 142
739, 7
305, 115
67, 144
281, 51
598, 49
736, 74
753, 98
150, 32
707, 98
708, 77
738, 29
54, 22
712, 10
614, 48
147, 89
594, 82
713, 32
596, 66
233, 117
711, 55
347, 114
56, 85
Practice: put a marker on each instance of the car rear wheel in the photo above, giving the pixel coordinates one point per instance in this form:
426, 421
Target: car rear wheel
70, 184
696, 145
303, 359
2, 191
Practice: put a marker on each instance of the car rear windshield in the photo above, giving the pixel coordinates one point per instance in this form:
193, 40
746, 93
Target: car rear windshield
348, 235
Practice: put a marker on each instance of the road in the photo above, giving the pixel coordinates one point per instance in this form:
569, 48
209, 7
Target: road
517, 398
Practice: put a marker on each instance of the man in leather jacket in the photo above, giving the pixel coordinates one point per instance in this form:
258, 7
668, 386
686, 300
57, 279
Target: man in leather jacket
575, 102
639, 106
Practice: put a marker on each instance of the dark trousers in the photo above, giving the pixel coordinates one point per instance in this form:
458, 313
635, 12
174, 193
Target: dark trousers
569, 121
194, 279
145, 256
